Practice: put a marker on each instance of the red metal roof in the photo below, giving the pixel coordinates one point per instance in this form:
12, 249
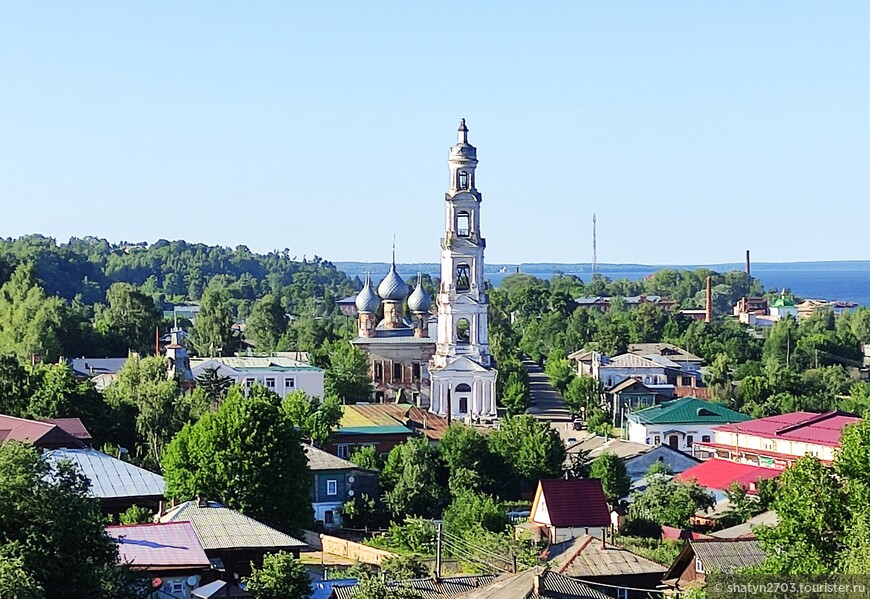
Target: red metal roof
785, 457
669, 533
722, 474
72, 426
575, 502
165, 546
44, 435
807, 427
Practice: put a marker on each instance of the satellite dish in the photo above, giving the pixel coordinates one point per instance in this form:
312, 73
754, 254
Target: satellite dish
192, 581
350, 493
350, 479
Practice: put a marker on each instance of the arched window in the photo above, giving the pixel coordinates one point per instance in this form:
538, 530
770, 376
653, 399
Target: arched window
463, 180
463, 388
463, 277
463, 224
463, 331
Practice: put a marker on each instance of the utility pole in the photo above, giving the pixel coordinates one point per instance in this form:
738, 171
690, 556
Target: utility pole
438, 551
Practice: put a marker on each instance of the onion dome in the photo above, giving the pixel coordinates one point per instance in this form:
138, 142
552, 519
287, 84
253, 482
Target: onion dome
367, 300
393, 288
419, 300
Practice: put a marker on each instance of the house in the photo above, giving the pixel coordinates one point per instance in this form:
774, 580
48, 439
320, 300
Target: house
170, 554
778, 441
383, 426
751, 305
592, 561
611, 371
746, 530
702, 557
44, 434
277, 373
91, 367
584, 359
116, 483
336, 480
685, 359
535, 583
568, 508
630, 395
783, 306
721, 475
809, 307
230, 539
679, 423
637, 457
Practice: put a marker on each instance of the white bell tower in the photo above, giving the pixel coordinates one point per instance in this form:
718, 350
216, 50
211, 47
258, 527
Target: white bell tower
463, 380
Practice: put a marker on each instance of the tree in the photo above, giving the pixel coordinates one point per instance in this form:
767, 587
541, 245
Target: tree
414, 480
316, 419
130, 320
559, 370
531, 449
52, 537
246, 455
515, 394
30, 322
136, 515
668, 502
212, 332
813, 511
367, 457
161, 410
266, 323
614, 479
16, 386
583, 395
404, 567
469, 462
282, 576
371, 586
348, 374
213, 384
470, 510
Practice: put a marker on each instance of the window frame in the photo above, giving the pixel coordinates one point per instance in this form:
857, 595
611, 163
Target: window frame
331, 484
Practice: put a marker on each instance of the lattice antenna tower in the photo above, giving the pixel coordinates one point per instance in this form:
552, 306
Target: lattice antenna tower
594, 245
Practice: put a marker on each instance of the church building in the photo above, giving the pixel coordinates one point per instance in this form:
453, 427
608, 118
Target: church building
447, 369
463, 377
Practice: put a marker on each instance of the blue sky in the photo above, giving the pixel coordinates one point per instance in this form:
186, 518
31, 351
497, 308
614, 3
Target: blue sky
693, 130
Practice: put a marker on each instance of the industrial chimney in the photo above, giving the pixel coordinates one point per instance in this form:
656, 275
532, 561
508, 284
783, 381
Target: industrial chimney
708, 314
748, 272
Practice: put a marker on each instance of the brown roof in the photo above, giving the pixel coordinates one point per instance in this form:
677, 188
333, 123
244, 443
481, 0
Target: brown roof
422, 421
589, 557
72, 426
574, 502
44, 435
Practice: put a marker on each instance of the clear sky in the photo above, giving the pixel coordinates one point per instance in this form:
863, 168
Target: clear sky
695, 130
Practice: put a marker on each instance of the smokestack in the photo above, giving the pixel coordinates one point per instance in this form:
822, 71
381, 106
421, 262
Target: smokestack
708, 314
748, 272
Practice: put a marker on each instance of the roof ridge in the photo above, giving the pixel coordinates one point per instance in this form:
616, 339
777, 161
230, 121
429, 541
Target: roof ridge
584, 545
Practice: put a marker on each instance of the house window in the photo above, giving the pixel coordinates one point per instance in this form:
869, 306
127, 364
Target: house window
699, 565
415, 371
657, 440
379, 372
249, 383
463, 405
343, 451
705, 438
328, 517
463, 277
332, 487
270, 383
397, 372
689, 440
290, 383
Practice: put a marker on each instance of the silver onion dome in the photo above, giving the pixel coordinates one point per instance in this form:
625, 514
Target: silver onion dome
393, 288
367, 300
419, 300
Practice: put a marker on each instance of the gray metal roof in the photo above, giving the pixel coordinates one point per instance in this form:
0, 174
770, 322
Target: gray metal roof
110, 477
94, 366
323, 460
219, 527
587, 557
724, 556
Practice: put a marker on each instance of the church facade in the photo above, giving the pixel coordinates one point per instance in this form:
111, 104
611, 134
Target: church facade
463, 376
442, 364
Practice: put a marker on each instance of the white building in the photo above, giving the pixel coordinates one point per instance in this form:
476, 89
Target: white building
680, 423
462, 375
280, 374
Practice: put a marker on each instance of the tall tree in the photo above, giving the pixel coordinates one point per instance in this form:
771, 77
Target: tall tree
471, 465
266, 323
130, 319
531, 449
52, 536
281, 576
214, 385
614, 478
248, 456
414, 480
16, 386
668, 502
30, 322
212, 331
348, 374
316, 419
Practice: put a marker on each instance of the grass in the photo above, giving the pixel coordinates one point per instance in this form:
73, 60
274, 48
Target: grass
658, 550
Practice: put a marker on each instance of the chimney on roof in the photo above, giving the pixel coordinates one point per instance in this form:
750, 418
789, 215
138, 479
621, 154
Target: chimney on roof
708, 308
201, 501
748, 272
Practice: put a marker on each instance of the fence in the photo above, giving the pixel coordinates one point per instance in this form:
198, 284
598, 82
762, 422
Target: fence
345, 548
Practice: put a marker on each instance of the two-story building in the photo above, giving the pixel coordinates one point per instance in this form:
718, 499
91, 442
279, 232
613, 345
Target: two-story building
778, 441
279, 373
680, 423
336, 480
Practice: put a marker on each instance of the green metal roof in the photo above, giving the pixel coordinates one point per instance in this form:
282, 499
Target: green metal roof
374, 430
687, 410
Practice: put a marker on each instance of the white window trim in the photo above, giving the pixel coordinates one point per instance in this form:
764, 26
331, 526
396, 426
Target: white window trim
332, 484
